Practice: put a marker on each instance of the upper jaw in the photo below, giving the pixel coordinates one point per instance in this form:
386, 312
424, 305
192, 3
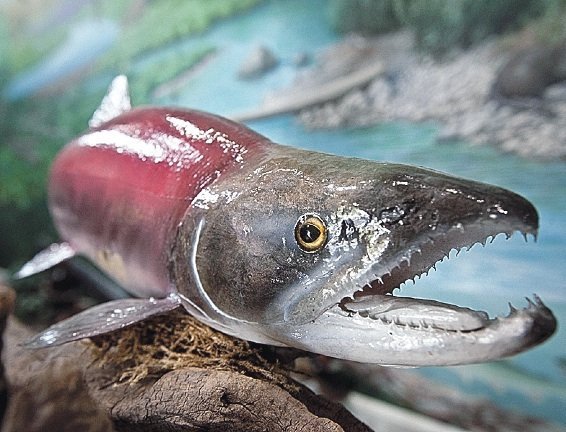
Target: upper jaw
387, 252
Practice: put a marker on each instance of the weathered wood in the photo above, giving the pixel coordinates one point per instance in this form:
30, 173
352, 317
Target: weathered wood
296, 100
77, 387
7, 300
200, 399
55, 399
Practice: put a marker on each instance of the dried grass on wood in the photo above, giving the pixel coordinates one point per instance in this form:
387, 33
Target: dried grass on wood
176, 340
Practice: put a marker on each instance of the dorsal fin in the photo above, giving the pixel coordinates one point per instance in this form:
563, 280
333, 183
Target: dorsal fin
116, 102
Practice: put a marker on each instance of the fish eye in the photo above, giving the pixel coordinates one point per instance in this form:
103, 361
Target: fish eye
311, 233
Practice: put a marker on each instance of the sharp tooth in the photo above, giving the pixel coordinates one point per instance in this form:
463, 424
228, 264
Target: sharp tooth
531, 305
512, 309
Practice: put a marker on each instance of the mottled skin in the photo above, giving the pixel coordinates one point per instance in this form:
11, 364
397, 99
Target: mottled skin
202, 212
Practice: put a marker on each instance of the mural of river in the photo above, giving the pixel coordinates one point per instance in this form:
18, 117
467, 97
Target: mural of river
485, 278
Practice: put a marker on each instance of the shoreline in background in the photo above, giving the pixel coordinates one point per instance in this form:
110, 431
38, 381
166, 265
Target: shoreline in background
454, 92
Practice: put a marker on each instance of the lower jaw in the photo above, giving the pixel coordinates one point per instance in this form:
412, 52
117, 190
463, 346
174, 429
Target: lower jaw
416, 313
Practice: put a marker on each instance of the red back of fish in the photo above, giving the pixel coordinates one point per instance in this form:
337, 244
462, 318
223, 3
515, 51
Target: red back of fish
118, 192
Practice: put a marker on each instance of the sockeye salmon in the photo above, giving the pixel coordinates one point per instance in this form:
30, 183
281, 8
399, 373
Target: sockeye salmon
274, 244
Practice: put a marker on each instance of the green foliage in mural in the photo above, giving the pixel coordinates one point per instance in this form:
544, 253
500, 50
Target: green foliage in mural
441, 25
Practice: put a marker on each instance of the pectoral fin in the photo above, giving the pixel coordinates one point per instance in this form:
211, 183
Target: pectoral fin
101, 319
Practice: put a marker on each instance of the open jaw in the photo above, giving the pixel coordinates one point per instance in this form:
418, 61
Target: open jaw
372, 325
376, 299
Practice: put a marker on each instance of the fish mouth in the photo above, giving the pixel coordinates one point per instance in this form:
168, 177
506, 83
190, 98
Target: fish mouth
377, 300
388, 329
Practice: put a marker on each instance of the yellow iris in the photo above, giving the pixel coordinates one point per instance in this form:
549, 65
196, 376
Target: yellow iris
311, 233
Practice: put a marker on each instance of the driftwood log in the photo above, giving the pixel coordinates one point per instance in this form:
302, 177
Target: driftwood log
170, 374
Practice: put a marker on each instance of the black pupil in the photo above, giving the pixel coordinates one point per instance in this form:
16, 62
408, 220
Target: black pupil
309, 233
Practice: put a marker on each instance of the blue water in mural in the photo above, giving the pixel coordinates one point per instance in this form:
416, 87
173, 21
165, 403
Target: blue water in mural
86, 42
